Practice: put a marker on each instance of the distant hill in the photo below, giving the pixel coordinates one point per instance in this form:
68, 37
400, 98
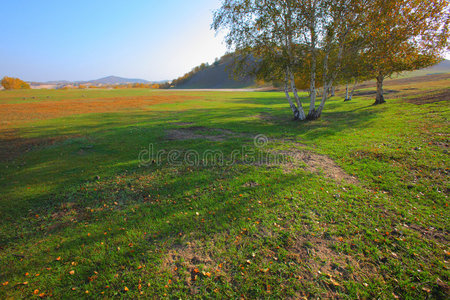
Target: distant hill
54, 82
114, 80
440, 68
215, 76
110, 80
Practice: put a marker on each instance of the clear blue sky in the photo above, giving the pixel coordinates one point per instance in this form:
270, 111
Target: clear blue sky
82, 40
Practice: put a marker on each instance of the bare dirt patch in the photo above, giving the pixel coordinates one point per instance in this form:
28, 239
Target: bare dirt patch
266, 117
431, 233
315, 163
188, 263
12, 145
320, 257
438, 96
327, 265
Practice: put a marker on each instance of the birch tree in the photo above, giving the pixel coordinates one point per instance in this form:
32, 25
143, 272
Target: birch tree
354, 69
404, 35
330, 25
268, 30
310, 40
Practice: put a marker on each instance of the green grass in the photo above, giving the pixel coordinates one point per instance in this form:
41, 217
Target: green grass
84, 204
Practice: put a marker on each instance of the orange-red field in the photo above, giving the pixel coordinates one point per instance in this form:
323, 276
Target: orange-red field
47, 109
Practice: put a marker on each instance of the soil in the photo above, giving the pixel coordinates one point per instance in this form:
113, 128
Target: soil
315, 163
443, 95
12, 145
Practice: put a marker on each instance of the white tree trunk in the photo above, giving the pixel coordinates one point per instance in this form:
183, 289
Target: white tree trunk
328, 80
288, 97
312, 48
312, 92
318, 111
322, 103
346, 92
312, 87
353, 89
302, 115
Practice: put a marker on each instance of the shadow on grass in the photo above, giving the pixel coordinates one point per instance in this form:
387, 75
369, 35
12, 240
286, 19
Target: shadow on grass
171, 207
107, 144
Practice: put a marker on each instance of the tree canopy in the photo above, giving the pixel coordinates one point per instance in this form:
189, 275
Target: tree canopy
10, 83
318, 43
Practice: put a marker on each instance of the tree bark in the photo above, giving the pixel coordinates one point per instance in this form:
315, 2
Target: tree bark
328, 80
333, 91
380, 97
312, 87
288, 28
346, 92
353, 89
318, 111
312, 90
288, 97
302, 115
322, 103
349, 97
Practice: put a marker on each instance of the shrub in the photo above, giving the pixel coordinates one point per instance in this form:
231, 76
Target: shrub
10, 83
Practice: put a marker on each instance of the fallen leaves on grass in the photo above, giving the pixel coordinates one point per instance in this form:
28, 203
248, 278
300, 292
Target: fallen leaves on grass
207, 274
334, 282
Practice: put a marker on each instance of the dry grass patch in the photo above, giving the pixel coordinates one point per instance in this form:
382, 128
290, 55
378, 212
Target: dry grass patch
12, 145
188, 263
315, 163
433, 97
24, 112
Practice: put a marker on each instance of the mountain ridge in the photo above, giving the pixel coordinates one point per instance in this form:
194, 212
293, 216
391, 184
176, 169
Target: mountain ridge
218, 76
115, 80
111, 80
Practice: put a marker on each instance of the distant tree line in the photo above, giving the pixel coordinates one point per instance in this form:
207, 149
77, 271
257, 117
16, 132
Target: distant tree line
317, 44
188, 76
10, 83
